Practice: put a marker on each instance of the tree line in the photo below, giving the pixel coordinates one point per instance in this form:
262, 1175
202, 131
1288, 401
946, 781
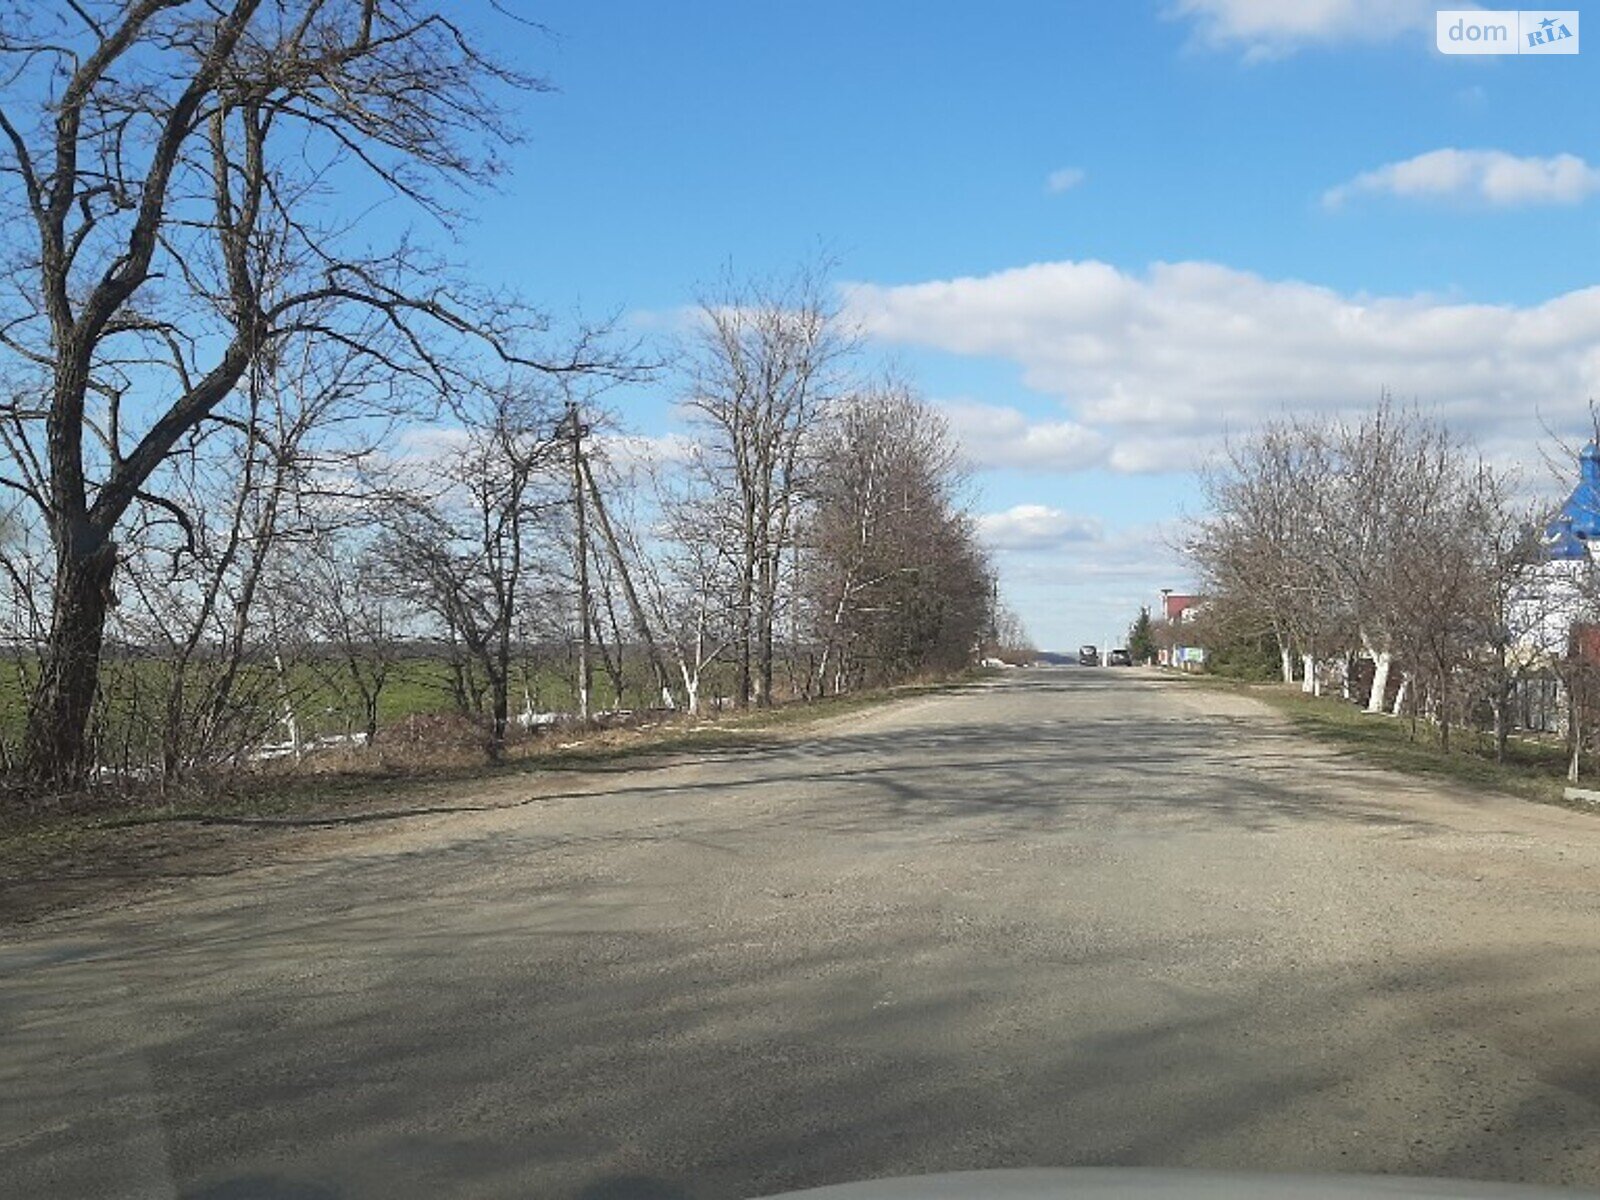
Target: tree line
1388, 540
247, 441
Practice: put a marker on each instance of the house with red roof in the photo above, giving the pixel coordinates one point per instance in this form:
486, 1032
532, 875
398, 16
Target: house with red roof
1177, 611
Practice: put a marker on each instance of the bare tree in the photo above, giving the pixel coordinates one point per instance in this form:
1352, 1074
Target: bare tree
1383, 532
1448, 546
688, 577
1381, 465
1011, 639
197, 568
1262, 546
478, 530
897, 583
355, 614
762, 373
173, 217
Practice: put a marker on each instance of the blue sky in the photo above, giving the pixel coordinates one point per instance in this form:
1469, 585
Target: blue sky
1258, 207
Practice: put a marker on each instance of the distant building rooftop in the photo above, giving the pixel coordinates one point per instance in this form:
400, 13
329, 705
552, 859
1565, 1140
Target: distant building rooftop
1177, 605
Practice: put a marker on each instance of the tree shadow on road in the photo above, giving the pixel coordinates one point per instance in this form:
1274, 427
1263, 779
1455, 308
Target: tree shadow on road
714, 1068
385, 1043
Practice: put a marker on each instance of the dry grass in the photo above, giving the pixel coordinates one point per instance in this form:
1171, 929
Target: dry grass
1534, 769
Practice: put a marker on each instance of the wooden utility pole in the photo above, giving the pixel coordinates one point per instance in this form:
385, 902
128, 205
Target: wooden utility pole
576, 430
640, 620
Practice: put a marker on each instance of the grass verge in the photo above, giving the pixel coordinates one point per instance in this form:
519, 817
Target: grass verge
1533, 770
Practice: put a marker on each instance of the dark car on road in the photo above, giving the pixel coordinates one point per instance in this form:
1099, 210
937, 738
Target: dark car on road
1119, 658
1088, 656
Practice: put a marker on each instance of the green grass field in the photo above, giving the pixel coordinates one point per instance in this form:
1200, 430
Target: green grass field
325, 702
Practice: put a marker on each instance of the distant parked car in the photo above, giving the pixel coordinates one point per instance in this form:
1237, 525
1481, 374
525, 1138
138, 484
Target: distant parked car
1088, 656
1119, 658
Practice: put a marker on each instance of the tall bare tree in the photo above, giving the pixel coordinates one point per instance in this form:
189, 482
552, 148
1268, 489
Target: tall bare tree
1449, 545
1382, 463
763, 370
897, 584
479, 527
1262, 546
686, 580
179, 175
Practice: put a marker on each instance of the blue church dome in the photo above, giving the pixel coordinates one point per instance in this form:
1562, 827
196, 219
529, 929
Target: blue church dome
1560, 544
1581, 513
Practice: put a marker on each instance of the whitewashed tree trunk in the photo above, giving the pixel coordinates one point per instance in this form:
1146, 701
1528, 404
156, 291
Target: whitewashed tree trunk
1574, 735
1308, 666
1286, 657
691, 688
1380, 682
290, 722
1400, 694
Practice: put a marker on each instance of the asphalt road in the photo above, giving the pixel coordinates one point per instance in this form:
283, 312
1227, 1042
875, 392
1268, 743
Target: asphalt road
1077, 917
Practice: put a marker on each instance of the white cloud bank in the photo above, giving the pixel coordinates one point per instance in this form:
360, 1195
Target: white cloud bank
1153, 368
1491, 177
1074, 581
1267, 29
1036, 527
996, 436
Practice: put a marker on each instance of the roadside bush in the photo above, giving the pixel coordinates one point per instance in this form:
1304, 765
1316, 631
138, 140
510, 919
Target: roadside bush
1251, 659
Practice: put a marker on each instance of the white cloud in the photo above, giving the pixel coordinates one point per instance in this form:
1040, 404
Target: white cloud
1488, 176
1137, 560
433, 443
1086, 589
1064, 180
1153, 368
1036, 527
994, 436
682, 319
1267, 29
626, 452
428, 444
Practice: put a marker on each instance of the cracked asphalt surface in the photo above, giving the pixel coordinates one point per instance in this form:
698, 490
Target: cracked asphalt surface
1074, 917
